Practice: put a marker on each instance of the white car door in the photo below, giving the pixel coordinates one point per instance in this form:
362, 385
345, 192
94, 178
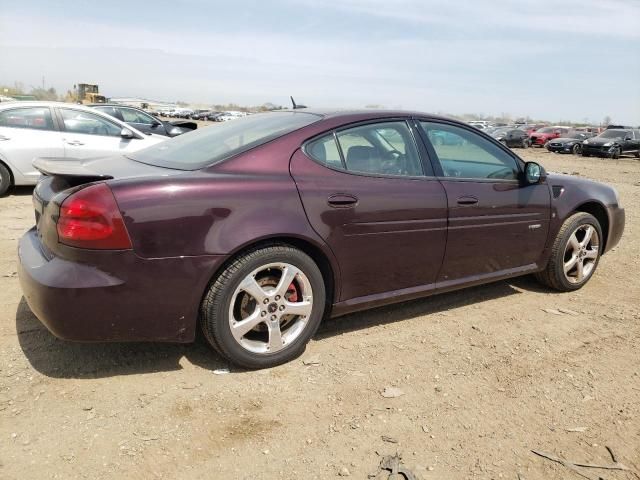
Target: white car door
89, 135
27, 133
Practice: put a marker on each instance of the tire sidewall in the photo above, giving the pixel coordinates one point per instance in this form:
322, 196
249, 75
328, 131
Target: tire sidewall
223, 336
577, 149
5, 179
575, 222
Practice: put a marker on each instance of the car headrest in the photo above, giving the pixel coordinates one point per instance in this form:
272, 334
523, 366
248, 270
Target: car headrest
361, 158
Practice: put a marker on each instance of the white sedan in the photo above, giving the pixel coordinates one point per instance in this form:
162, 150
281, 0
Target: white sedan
30, 130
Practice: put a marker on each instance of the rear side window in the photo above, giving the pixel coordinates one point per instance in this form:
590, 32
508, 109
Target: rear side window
77, 121
380, 149
325, 150
34, 118
133, 116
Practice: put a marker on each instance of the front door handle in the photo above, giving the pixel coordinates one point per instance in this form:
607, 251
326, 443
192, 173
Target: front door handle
467, 201
76, 143
342, 200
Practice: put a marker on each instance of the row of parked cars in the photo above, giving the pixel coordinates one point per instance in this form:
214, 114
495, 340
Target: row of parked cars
614, 141
210, 115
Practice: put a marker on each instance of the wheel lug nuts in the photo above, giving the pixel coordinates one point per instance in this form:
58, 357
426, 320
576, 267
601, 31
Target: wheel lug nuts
273, 317
266, 300
281, 307
263, 313
277, 297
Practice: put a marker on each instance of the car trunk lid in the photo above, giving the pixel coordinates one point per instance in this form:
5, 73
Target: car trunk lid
62, 177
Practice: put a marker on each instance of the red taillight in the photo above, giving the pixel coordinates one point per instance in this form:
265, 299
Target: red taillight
90, 218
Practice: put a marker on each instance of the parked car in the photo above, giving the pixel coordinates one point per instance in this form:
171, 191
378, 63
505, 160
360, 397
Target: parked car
480, 124
531, 127
199, 114
512, 137
213, 116
542, 136
257, 229
52, 129
143, 121
613, 143
572, 143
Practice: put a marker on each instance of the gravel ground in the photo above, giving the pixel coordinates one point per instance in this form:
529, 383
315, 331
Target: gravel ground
485, 376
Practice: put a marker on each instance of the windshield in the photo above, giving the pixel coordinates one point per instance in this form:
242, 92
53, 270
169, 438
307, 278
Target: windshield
211, 145
613, 134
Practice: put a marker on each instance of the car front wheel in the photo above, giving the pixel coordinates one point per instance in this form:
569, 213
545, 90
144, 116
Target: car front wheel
575, 253
264, 307
577, 149
5, 179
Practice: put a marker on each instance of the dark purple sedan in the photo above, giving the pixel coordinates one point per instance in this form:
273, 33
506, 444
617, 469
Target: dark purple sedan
257, 229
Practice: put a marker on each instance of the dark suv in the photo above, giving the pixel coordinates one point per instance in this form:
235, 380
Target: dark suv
613, 143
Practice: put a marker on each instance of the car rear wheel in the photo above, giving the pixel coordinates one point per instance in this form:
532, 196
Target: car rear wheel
575, 253
577, 149
264, 307
5, 179
525, 143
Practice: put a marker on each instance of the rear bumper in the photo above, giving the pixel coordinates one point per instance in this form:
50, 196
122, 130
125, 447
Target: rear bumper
125, 298
616, 226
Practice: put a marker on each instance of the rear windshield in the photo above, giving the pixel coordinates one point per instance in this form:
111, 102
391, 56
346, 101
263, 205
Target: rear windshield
210, 145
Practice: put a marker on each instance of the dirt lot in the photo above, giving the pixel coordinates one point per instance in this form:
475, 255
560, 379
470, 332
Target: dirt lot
486, 375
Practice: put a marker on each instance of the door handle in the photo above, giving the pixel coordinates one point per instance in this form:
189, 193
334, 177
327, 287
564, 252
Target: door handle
75, 143
467, 201
2, 138
342, 200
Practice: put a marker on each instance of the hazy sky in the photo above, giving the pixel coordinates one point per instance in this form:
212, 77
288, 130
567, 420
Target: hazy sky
554, 59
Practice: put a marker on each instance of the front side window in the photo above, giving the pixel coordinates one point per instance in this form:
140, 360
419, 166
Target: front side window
77, 121
130, 115
34, 118
465, 154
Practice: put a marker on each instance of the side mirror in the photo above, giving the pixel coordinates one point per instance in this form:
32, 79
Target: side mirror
126, 133
628, 137
175, 131
533, 173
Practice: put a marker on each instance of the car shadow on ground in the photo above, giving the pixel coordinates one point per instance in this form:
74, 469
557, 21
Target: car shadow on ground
20, 191
62, 359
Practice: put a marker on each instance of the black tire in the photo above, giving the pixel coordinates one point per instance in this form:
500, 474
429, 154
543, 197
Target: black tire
553, 275
5, 179
637, 154
525, 143
214, 311
585, 154
577, 149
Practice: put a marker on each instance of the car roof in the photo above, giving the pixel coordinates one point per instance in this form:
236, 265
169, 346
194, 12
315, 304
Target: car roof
366, 114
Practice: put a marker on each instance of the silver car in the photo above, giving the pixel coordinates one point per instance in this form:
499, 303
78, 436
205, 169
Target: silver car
30, 130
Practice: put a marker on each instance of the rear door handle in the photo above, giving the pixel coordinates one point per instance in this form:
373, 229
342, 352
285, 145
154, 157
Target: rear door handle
75, 143
342, 200
467, 201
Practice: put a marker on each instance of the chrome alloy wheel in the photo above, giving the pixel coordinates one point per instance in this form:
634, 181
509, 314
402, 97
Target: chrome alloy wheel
581, 253
270, 308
